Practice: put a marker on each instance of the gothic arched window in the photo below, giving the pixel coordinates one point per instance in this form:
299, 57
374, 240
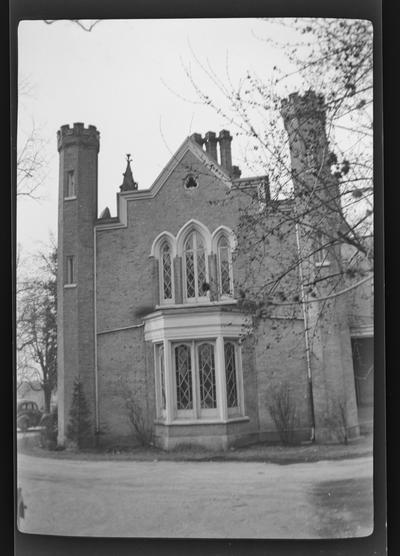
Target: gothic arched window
195, 267
224, 258
230, 375
166, 273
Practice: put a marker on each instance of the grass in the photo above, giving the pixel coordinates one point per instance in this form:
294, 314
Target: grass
257, 452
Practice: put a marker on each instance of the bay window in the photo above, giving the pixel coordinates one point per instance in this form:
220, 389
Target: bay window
195, 372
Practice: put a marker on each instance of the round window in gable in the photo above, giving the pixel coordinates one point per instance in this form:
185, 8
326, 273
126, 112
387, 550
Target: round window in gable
191, 182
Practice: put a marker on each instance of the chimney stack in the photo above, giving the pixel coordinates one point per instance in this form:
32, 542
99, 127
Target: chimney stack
198, 138
210, 140
225, 139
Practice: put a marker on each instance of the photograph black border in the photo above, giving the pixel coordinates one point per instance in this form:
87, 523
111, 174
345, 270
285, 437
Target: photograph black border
27, 544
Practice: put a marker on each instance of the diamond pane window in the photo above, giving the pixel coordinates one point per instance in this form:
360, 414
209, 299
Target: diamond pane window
201, 270
195, 266
183, 372
166, 272
225, 267
208, 397
190, 275
230, 373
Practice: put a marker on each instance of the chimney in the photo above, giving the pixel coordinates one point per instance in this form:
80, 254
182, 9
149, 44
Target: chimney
225, 150
197, 138
210, 140
236, 172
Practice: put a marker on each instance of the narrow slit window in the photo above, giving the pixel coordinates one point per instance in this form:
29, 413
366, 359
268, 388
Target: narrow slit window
70, 278
71, 189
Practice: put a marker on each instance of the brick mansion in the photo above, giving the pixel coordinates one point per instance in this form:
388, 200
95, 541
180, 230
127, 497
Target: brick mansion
150, 303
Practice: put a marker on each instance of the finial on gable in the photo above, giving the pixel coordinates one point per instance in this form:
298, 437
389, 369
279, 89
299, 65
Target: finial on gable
128, 183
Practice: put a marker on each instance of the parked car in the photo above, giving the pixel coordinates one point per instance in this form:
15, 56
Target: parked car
28, 414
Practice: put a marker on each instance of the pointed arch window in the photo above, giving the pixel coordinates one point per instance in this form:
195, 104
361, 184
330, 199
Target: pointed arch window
166, 273
230, 375
206, 364
224, 258
195, 267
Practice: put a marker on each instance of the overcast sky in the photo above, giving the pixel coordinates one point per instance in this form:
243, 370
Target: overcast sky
127, 78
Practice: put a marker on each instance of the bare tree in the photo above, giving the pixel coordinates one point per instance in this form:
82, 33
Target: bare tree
37, 328
31, 164
317, 193
86, 25
32, 160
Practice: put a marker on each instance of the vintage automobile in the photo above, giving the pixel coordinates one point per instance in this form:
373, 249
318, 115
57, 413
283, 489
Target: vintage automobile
28, 415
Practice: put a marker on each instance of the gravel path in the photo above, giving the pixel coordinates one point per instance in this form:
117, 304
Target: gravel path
196, 499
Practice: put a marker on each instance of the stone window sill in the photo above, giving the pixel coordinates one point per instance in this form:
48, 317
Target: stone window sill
67, 286
70, 198
196, 422
208, 303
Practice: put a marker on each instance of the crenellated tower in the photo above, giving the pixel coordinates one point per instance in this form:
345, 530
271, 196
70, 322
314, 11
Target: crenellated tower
317, 203
77, 211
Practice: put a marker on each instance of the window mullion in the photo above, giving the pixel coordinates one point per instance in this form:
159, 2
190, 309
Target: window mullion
220, 378
169, 384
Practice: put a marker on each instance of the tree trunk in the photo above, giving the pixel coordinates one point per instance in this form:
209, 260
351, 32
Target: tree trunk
47, 397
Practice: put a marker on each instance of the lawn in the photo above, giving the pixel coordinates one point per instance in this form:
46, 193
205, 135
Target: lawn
363, 446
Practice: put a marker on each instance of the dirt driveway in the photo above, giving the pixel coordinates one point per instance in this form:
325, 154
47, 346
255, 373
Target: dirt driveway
196, 499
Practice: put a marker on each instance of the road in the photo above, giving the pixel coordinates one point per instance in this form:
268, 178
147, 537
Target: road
196, 499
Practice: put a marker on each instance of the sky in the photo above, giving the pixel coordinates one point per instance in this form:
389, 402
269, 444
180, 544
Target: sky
128, 78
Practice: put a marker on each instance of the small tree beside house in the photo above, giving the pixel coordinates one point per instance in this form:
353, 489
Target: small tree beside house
80, 426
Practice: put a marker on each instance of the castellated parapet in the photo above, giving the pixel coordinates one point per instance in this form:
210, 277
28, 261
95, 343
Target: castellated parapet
88, 137
303, 106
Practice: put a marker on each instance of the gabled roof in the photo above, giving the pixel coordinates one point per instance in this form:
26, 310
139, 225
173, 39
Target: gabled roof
188, 145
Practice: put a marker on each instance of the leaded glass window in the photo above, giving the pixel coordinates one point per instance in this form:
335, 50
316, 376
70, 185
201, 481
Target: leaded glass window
230, 373
224, 267
183, 371
195, 266
206, 361
166, 270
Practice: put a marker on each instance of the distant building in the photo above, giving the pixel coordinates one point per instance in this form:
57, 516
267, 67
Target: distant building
149, 308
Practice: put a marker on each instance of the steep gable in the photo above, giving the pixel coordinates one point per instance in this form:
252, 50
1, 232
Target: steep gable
188, 145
